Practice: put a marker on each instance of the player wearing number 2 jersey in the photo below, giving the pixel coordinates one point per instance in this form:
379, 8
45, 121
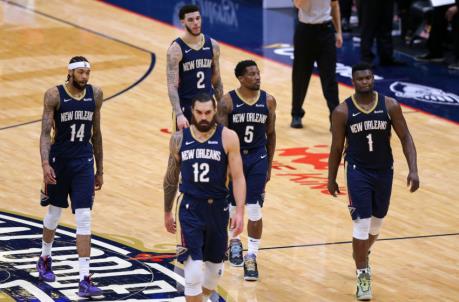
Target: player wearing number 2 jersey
201, 155
72, 110
192, 66
251, 112
364, 122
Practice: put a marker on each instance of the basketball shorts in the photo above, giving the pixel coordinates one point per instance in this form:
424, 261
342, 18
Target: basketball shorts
255, 165
369, 191
74, 178
202, 225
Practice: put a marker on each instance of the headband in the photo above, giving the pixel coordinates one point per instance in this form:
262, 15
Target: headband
82, 64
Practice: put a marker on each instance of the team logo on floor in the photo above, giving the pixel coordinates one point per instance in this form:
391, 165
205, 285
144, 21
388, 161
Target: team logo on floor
123, 273
423, 93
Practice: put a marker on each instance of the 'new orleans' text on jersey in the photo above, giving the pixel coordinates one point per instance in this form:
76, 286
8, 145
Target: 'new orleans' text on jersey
203, 166
368, 135
195, 71
73, 125
249, 120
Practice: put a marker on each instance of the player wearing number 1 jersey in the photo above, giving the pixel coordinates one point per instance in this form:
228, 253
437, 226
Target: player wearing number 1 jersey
72, 110
192, 66
251, 112
364, 122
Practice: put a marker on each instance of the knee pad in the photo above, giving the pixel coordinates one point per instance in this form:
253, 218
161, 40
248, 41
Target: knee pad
52, 217
193, 277
83, 221
212, 273
361, 228
254, 212
376, 224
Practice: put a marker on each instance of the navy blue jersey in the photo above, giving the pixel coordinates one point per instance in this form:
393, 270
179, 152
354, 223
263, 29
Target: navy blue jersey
73, 125
203, 166
195, 71
368, 135
249, 120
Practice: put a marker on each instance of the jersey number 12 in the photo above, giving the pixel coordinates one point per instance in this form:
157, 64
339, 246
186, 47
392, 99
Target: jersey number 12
200, 172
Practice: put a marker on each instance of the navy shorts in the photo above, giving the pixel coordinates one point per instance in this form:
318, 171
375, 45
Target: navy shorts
369, 191
255, 164
203, 228
74, 178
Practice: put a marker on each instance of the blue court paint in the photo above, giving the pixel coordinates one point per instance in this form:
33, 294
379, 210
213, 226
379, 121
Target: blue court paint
269, 32
122, 272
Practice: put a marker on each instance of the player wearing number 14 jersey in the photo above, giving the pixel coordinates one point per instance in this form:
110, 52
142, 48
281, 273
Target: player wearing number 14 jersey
250, 112
364, 121
72, 110
192, 66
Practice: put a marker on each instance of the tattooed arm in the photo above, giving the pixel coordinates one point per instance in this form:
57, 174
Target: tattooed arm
97, 139
171, 180
51, 103
224, 108
174, 56
216, 79
271, 132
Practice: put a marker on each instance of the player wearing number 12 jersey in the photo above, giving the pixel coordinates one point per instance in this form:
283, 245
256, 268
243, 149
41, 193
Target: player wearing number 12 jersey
72, 110
250, 112
192, 66
364, 122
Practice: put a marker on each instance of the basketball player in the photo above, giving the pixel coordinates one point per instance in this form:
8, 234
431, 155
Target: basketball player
72, 110
250, 112
192, 66
201, 154
364, 121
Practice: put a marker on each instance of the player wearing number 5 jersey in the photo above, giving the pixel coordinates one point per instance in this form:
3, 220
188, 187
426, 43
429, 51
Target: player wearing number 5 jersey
251, 112
364, 122
192, 66
202, 155
72, 110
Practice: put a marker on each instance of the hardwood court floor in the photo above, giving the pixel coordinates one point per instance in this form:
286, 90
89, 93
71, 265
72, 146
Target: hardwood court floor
297, 264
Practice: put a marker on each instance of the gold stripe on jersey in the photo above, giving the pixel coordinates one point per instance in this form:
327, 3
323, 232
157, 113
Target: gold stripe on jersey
73, 97
248, 101
373, 107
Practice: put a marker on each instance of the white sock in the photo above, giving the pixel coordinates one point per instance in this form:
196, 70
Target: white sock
362, 270
84, 267
46, 248
253, 245
205, 298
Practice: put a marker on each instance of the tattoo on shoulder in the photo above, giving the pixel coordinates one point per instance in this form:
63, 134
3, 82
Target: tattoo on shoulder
98, 95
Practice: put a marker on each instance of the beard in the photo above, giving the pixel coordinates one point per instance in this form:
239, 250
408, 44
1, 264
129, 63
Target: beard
191, 32
77, 85
204, 126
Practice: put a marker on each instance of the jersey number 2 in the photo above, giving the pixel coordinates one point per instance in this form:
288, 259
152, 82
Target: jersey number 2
200, 76
79, 134
200, 172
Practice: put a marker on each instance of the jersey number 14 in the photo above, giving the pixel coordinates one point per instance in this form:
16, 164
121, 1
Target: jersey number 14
77, 134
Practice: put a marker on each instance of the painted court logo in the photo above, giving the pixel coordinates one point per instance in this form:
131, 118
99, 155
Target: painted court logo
123, 273
423, 93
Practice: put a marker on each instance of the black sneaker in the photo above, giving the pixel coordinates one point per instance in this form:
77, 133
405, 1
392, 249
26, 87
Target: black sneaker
250, 268
296, 122
428, 57
235, 253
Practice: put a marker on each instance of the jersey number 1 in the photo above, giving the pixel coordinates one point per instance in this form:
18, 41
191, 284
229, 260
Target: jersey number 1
79, 134
370, 142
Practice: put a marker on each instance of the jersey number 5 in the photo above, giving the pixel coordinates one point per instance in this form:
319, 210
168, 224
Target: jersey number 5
248, 136
200, 84
200, 172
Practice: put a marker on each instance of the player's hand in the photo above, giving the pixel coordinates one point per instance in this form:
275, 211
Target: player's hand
333, 188
48, 175
169, 222
182, 122
451, 12
237, 222
98, 182
338, 40
412, 181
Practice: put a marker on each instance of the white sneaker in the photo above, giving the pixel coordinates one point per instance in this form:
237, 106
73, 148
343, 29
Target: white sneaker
363, 292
